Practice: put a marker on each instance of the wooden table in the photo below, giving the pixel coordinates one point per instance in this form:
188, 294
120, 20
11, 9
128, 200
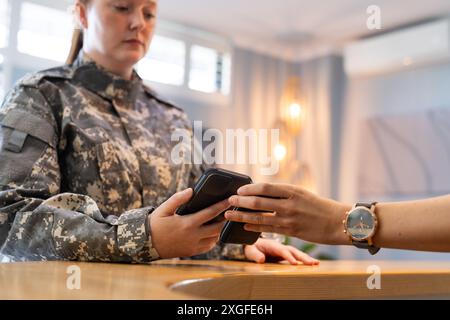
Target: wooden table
181, 279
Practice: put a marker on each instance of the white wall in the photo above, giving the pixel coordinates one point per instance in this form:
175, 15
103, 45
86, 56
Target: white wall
400, 93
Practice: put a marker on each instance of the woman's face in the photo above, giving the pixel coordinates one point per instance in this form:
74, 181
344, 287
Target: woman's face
118, 31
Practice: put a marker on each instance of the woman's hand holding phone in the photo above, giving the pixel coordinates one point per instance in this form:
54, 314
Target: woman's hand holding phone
176, 235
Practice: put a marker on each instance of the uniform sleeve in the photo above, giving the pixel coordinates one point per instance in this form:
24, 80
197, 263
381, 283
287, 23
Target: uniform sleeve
37, 222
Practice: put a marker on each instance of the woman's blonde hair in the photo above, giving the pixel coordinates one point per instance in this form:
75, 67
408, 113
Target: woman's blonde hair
77, 44
77, 38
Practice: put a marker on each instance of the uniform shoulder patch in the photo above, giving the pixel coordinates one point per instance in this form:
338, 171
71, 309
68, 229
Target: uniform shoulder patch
34, 79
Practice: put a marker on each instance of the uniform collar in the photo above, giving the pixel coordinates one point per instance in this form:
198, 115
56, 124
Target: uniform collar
104, 83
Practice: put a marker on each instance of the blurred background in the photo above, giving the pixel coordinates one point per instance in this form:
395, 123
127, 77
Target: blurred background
359, 89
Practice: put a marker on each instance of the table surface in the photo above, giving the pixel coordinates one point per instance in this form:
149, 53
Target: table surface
188, 279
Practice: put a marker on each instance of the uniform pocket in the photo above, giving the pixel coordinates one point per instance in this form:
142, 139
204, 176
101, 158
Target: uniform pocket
101, 168
116, 185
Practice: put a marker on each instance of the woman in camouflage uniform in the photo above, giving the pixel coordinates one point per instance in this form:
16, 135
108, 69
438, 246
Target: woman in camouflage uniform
85, 171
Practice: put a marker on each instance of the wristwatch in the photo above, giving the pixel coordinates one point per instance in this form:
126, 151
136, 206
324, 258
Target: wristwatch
361, 224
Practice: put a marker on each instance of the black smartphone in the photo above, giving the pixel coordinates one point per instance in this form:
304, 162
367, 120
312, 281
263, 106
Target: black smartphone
234, 232
214, 186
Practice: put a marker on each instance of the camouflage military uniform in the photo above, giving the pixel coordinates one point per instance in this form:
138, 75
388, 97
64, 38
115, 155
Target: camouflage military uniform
85, 157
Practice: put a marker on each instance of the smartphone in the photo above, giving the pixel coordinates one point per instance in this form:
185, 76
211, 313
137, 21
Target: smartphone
234, 232
214, 186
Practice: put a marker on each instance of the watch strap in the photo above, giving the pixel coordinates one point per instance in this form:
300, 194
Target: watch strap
365, 245
366, 204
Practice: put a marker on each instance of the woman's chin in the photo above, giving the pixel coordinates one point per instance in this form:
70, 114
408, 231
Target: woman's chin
131, 58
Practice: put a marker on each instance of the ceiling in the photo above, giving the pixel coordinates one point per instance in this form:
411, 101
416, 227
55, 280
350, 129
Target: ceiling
296, 29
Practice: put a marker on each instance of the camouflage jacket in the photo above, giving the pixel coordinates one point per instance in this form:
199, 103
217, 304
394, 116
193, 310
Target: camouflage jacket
84, 159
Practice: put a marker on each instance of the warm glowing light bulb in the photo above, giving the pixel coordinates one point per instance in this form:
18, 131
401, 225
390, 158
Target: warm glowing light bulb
295, 110
407, 61
280, 152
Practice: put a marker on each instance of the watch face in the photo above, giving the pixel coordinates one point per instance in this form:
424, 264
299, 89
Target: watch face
360, 224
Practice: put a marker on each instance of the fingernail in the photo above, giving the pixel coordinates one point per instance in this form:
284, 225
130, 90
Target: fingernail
232, 199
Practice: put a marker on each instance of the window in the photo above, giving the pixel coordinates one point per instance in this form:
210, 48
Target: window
165, 61
202, 75
189, 60
4, 23
226, 74
2, 84
182, 62
209, 70
225, 84
44, 32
